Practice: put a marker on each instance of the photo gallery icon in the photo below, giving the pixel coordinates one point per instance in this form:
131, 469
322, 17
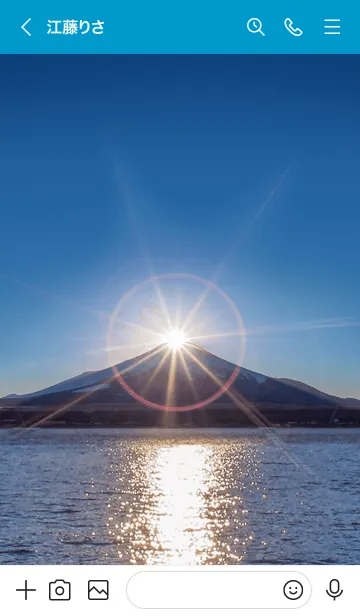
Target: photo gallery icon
98, 590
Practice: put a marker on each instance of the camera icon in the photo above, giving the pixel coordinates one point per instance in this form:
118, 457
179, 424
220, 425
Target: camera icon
59, 591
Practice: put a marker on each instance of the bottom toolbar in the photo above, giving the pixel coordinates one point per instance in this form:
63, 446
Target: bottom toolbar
129, 590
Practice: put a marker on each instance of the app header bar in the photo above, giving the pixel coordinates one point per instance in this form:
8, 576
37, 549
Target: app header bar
187, 27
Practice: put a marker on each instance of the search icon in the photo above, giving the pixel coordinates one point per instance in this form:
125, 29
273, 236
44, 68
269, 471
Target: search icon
254, 25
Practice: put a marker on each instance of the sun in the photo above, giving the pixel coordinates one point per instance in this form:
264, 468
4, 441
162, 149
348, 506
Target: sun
175, 339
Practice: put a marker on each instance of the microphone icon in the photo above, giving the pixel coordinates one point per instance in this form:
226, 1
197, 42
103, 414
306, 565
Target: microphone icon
334, 589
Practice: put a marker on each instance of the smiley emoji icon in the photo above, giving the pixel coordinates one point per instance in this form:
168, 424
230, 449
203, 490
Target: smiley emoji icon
293, 590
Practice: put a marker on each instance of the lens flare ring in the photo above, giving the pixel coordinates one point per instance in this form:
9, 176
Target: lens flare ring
212, 287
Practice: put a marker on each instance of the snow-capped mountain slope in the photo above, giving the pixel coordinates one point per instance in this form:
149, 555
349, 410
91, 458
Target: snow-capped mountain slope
76, 382
220, 367
252, 376
90, 379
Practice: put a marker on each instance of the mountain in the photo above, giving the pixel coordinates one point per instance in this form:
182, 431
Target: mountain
101, 397
155, 367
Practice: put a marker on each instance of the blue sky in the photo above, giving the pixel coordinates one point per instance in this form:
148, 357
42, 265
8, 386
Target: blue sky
243, 170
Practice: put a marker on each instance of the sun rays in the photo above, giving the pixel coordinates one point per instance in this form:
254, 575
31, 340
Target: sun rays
176, 322
179, 325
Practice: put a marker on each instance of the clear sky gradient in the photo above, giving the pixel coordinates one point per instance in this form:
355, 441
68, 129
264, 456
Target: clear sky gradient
244, 170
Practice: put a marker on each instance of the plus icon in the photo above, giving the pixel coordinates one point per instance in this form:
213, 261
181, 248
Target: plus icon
26, 590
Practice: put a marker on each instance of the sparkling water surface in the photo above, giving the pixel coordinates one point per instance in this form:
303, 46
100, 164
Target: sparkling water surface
179, 497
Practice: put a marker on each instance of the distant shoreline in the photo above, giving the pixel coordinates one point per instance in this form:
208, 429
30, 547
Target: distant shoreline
58, 426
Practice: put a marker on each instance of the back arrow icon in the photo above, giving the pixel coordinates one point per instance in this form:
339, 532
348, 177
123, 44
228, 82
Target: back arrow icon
25, 24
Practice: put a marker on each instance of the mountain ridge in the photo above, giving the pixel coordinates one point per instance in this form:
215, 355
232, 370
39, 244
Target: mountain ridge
254, 386
311, 389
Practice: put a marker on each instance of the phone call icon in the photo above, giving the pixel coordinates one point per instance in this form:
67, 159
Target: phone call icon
289, 25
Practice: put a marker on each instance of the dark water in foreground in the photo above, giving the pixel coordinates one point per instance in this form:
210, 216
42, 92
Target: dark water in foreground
179, 497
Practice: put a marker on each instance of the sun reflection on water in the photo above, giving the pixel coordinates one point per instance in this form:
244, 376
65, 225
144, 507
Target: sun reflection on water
183, 502
182, 478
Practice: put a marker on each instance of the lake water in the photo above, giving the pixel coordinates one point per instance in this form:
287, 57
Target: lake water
179, 497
